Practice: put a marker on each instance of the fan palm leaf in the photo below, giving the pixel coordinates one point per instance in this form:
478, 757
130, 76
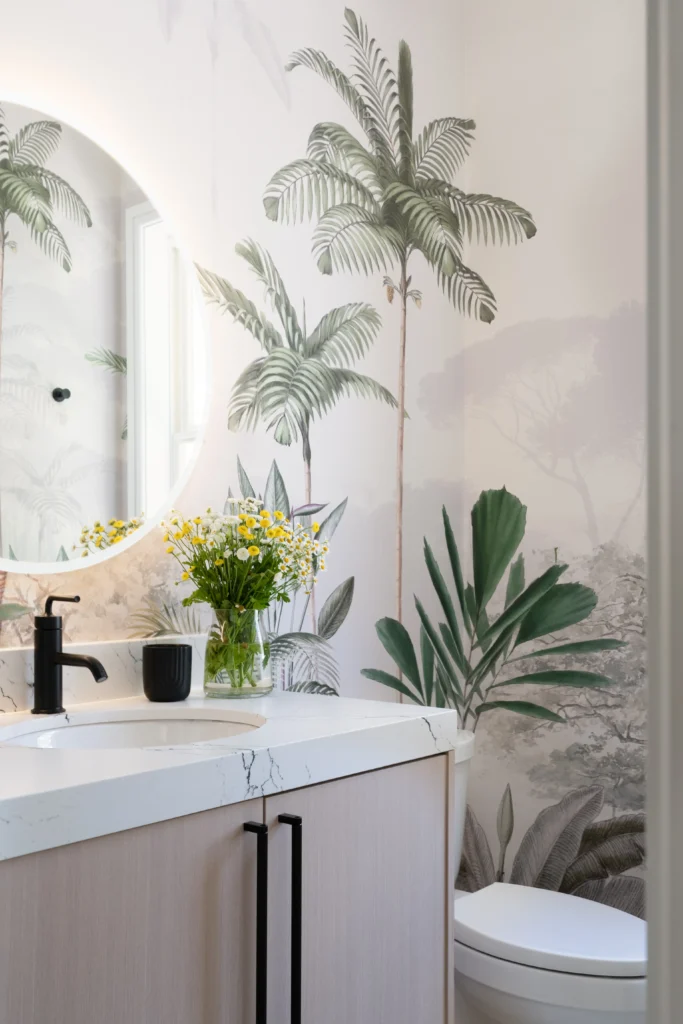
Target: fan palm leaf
376, 205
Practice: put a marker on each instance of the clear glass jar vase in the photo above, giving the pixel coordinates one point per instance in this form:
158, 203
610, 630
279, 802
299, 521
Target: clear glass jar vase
236, 656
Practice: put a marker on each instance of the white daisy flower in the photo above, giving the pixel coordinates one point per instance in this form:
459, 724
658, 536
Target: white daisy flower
242, 554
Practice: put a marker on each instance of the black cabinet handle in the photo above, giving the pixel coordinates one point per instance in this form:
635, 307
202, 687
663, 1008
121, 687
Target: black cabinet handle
297, 830
261, 832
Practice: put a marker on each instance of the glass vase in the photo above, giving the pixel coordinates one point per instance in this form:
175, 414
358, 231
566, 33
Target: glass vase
236, 656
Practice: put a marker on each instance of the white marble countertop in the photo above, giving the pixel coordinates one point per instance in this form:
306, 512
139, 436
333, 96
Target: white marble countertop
53, 797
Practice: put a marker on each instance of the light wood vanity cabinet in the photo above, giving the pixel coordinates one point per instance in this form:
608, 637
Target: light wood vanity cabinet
157, 925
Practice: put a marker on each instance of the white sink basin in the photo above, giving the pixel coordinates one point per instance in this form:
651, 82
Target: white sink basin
107, 730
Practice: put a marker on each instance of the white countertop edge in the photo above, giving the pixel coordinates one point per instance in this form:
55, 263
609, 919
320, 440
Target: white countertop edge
306, 740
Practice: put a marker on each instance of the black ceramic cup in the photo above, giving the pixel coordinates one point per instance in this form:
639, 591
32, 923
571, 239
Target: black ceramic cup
166, 671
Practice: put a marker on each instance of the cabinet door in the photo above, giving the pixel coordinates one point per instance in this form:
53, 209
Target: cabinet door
150, 926
377, 895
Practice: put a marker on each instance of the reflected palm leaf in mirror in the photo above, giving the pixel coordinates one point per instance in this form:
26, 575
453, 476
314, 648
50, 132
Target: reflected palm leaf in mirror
103, 361
33, 194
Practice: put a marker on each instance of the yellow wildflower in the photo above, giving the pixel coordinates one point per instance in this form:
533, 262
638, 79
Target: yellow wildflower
186, 529
197, 520
243, 530
279, 515
265, 513
243, 515
118, 523
199, 540
185, 576
177, 535
170, 549
219, 561
250, 522
167, 536
316, 527
117, 539
253, 550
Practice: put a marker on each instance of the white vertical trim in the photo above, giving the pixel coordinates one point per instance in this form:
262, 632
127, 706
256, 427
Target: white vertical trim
665, 433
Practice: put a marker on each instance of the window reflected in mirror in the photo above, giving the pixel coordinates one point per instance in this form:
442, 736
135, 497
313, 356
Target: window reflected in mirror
103, 359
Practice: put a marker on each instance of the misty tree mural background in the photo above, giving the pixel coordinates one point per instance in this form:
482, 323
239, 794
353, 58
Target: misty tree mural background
546, 400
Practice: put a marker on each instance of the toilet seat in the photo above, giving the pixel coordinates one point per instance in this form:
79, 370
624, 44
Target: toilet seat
533, 985
551, 931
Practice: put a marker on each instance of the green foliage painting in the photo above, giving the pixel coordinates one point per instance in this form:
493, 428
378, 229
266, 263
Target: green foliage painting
466, 659
33, 194
301, 375
381, 199
565, 849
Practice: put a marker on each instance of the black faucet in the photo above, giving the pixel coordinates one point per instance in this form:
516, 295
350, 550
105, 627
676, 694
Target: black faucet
48, 659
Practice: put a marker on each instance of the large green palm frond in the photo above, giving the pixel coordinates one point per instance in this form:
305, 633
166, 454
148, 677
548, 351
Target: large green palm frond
405, 107
293, 390
344, 334
261, 262
230, 300
26, 197
51, 240
442, 147
468, 292
348, 383
35, 143
306, 188
483, 217
62, 196
433, 227
332, 143
316, 60
244, 410
348, 237
379, 88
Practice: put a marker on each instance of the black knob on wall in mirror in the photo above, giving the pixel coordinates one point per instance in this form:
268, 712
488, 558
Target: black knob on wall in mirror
61, 394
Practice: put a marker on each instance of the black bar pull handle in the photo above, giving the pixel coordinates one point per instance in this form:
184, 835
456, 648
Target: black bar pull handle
296, 824
261, 832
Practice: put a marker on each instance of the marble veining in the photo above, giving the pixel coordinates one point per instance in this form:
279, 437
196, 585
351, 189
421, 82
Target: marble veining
52, 797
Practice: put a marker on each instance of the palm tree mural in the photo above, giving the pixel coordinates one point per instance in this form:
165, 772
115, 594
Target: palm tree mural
300, 376
33, 194
380, 201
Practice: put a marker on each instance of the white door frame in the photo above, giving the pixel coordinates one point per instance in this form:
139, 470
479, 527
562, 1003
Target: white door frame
665, 512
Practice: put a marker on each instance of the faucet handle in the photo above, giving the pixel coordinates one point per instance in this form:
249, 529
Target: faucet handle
55, 597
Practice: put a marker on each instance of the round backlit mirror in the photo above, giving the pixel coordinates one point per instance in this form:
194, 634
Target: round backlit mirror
103, 351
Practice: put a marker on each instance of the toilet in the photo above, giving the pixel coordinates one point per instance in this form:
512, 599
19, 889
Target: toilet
533, 956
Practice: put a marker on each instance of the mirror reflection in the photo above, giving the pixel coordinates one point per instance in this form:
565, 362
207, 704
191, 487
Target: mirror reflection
103, 374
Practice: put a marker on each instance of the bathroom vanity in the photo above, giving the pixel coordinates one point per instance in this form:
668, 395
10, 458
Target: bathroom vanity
131, 890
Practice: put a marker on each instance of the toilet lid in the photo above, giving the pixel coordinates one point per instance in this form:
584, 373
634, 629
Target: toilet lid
552, 930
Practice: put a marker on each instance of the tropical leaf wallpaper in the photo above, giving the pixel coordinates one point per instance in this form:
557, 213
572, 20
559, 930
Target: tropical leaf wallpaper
422, 238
